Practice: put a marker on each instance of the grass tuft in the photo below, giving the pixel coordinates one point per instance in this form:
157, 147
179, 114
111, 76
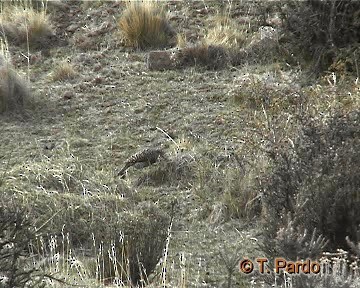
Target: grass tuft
23, 24
144, 25
226, 33
63, 71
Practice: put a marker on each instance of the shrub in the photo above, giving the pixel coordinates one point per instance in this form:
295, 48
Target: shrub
15, 235
315, 30
131, 237
144, 25
275, 99
317, 181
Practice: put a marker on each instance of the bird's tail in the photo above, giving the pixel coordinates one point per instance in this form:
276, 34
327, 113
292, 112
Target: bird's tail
121, 173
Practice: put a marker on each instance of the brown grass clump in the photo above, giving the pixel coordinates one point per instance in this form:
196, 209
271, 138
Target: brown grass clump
64, 71
208, 56
13, 88
144, 25
23, 24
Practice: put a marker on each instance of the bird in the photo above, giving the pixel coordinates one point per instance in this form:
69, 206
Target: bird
142, 159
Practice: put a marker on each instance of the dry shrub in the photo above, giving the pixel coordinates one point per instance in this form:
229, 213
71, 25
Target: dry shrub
13, 89
144, 25
80, 216
203, 55
24, 24
15, 234
316, 30
63, 71
294, 243
316, 180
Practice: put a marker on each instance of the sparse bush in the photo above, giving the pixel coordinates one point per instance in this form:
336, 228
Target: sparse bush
13, 89
274, 98
16, 233
294, 243
144, 25
316, 30
317, 181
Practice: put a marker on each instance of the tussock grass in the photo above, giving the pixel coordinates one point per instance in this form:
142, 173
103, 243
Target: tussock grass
226, 33
220, 42
63, 71
23, 24
13, 88
144, 25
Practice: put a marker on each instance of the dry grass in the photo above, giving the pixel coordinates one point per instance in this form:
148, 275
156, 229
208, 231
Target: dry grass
21, 23
63, 71
62, 164
144, 25
226, 33
209, 56
13, 88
